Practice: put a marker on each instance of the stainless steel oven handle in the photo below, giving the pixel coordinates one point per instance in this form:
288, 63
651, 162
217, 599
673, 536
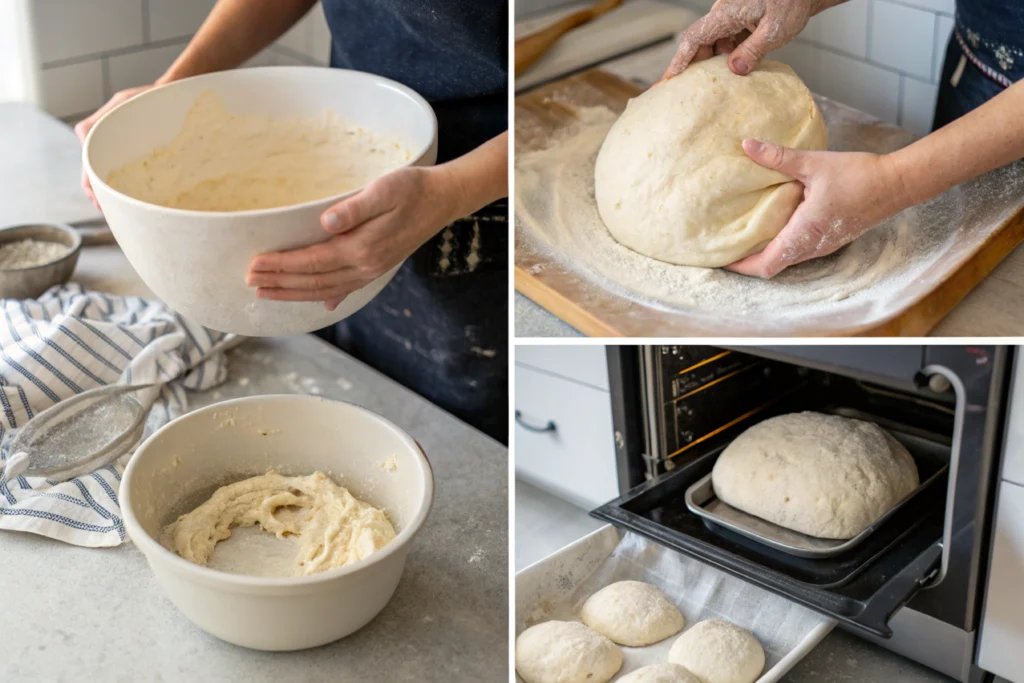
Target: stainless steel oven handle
954, 464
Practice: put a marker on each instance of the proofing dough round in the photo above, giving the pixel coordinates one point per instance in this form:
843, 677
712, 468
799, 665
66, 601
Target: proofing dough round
671, 179
718, 651
565, 652
661, 673
632, 613
822, 475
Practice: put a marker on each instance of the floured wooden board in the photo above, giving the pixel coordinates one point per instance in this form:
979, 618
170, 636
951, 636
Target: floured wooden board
899, 279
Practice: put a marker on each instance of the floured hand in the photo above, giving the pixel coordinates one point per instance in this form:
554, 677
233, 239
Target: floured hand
845, 195
748, 29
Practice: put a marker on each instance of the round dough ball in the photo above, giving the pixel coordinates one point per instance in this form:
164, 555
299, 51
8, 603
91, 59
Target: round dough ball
822, 475
661, 673
632, 613
718, 651
671, 179
565, 652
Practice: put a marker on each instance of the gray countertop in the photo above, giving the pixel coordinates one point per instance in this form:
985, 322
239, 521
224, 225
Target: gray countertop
77, 614
993, 308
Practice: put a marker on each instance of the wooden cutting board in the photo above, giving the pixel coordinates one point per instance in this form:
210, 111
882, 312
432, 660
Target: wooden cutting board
567, 294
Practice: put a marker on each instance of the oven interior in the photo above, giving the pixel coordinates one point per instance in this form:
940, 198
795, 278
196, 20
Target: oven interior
697, 399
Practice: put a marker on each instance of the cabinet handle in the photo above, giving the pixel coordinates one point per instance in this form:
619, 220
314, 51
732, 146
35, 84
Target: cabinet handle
549, 427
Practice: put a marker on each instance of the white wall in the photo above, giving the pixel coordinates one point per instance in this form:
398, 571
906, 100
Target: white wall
880, 56
86, 51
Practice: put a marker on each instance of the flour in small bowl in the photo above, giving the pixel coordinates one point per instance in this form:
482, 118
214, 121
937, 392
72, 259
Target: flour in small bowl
29, 253
222, 161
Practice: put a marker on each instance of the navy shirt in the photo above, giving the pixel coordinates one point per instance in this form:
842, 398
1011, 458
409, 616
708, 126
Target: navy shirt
993, 31
452, 52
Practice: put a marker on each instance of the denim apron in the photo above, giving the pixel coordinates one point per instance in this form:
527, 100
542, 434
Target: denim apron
441, 326
985, 56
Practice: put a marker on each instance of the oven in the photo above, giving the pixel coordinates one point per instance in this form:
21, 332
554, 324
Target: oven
915, 584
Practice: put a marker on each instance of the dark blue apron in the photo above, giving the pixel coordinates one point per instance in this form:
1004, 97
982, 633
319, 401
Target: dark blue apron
985, 56
441, 326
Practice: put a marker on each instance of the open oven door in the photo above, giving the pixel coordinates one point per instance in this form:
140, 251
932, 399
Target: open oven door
861, 587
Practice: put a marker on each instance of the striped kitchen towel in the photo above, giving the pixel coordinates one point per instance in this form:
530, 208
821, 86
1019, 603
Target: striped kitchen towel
69, 341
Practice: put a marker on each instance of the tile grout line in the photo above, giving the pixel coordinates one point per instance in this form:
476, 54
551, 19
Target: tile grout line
116, 52
146, 34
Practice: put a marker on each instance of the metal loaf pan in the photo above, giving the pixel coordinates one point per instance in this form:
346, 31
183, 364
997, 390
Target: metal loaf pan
930, 455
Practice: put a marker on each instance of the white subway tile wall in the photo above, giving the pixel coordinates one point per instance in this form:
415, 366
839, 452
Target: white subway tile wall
881, 56
90, 50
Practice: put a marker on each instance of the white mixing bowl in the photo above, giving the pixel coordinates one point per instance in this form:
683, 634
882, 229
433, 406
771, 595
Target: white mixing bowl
181, 465
196, 261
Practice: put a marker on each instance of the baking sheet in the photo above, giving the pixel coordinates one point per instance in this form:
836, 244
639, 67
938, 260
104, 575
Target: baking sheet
555, 588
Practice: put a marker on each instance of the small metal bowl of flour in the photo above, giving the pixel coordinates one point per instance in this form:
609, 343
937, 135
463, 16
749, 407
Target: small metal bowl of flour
35, 257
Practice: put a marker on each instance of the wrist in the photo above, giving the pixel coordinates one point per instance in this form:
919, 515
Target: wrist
900, 194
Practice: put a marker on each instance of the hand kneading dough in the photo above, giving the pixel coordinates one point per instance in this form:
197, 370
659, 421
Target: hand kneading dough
718, 651
822, 475
671, 179
632, 613
565, 652
333, 527
661, 673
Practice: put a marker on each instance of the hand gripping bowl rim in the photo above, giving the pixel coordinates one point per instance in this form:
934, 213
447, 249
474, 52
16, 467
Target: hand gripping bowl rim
94, 178
245, 582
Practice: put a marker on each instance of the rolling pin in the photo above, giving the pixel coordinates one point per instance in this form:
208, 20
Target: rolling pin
530, 48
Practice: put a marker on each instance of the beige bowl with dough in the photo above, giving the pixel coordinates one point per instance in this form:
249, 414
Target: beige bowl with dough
179, 466
196, 261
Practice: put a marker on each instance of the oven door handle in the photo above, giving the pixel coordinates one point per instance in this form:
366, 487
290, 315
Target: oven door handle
954, 465
549, 427
904, 585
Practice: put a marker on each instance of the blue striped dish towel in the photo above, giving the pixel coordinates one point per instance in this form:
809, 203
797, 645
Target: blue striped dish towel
69, 341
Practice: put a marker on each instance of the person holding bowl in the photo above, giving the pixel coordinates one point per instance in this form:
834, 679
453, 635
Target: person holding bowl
441, 325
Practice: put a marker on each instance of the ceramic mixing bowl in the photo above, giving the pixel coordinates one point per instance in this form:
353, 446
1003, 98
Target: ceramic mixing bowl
181, 465
196, 261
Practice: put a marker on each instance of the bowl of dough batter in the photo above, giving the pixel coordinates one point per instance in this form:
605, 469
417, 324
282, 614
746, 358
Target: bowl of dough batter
322, 500
197, 177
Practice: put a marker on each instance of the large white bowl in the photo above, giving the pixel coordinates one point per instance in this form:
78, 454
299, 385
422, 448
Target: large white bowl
196, 260
179, 466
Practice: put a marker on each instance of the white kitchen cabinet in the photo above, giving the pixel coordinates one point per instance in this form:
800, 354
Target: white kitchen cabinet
584, 364
1013, 452
1002, 624
564, 439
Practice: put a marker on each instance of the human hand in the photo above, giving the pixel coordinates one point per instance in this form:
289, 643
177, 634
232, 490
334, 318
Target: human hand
748, 29
845, 195
374, 230
83, 127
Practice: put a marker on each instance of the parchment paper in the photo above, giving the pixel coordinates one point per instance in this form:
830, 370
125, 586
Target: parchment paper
556, 587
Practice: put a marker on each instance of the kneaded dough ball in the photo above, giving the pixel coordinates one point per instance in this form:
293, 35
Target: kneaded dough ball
661, 673
822, 475
632, 613
718, 651
565, 652
671, 179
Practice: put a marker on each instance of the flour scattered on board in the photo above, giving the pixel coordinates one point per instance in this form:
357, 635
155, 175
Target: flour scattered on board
477, 557
243, 382
344, 384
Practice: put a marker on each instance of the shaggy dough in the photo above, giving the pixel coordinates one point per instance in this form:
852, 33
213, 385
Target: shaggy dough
671, 179
333, 527
226, 162
565, 652
632, 613
661, 673
822, 475
718, 651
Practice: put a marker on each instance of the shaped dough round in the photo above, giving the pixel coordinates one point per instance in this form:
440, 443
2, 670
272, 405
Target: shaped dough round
632, 613
661, 673
672, 181
822, 475
565, 652
718, 651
